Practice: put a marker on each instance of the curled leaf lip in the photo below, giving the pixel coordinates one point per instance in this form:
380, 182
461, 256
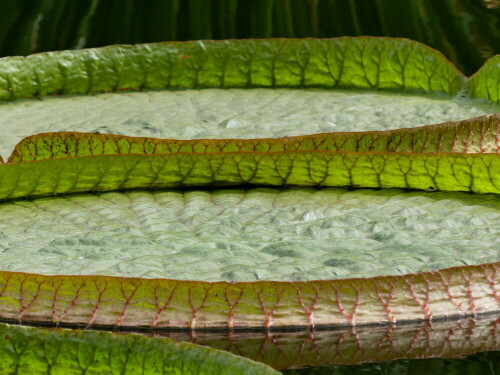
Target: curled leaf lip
488, 126
162, 304
140, 303
430, 64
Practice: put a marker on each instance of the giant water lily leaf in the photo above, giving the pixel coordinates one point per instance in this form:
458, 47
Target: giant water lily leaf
32, 350
486, 82
458, 156
38, 351
251, 234
477, 135
160, 303
232, 113
452, 172
370, 63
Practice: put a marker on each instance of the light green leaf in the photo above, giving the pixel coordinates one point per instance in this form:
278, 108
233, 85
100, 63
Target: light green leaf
461, 156
230, 113
258, 234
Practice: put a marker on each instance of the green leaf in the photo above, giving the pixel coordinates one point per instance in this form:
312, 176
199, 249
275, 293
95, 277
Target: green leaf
476, 135
364, 62
486, 82
460, 156
60, 351
426, 171
249, 235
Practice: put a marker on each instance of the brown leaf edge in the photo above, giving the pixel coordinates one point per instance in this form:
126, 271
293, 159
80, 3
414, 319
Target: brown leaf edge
469, 291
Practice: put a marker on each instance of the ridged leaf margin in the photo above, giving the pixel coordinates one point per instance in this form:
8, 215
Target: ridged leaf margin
346, 62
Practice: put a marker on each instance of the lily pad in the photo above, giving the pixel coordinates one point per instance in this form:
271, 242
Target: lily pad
246, 235
384, 236
230, 113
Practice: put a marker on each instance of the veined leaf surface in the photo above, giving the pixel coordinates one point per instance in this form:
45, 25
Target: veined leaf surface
247, 235
361, 63
365, 62
39, 351
230, 113
439, 158
474, 136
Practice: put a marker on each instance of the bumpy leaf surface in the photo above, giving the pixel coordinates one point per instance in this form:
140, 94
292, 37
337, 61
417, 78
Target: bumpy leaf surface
372, 63
452, 157
477, 135
230, 113
250, 235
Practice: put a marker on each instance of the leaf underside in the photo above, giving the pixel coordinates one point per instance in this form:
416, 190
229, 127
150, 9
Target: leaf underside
364, 62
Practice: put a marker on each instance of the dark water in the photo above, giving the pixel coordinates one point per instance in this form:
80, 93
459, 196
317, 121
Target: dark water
466, 31
457, 346
487, 363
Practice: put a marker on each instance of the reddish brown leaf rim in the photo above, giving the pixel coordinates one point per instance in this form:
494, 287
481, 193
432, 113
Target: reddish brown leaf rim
102, 301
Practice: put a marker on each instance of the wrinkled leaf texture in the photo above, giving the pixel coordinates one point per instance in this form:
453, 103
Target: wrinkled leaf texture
460, 156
